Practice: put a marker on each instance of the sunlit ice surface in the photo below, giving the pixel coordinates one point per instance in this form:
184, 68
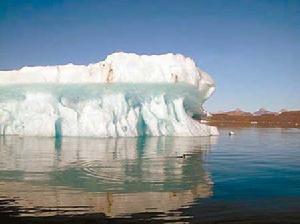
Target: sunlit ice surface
113, 176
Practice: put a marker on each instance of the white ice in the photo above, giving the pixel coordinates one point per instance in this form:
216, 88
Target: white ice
124, 95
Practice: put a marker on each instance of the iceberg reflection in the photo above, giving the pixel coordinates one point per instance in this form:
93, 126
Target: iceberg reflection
46, 176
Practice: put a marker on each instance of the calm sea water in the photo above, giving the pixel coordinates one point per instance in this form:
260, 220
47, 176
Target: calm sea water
251, 177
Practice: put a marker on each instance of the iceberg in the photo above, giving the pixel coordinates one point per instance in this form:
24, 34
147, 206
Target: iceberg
124, 95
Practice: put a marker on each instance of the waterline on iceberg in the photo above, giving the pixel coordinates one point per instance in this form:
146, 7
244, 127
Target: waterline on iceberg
99, 110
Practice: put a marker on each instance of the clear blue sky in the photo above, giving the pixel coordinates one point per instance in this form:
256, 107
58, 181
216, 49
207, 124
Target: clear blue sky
251, 48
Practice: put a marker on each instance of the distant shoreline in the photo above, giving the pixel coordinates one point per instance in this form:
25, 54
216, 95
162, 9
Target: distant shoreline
289, 119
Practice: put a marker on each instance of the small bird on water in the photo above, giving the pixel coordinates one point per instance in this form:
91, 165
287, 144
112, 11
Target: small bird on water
182, 157
231, 133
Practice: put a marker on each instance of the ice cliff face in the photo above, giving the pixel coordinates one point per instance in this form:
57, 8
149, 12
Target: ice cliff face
124, 95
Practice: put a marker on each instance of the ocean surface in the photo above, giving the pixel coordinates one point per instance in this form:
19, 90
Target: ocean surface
250, 177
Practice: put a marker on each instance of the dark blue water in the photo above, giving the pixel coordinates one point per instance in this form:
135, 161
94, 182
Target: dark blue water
250, 177
256, 163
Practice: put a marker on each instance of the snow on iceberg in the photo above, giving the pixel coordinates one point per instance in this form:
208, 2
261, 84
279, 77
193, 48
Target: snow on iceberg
124, 95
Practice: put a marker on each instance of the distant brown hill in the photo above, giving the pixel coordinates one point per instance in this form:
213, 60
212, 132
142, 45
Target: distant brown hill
236, 112
263, 111
283, 119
